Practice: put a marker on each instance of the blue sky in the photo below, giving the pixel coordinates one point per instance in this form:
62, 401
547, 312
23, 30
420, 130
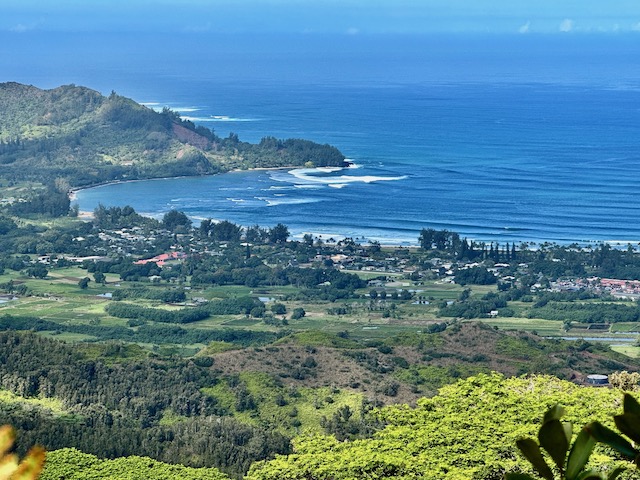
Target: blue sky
323, 16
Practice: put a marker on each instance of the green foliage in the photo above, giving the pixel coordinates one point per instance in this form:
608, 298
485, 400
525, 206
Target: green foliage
476, 276
274, 152
258, 398
137, 292
471, 308
71, 464
129, 310
279, 233
155, 334
223, 231
278, 309
438, 239
120, 217
586, 312
629, 424
106, 419
467, 431
51, 202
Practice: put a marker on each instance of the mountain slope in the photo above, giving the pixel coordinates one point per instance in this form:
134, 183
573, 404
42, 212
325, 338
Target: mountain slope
407, 367
77, 134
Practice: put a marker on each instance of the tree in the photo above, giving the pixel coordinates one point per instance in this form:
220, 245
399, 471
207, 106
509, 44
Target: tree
99, 277
625, 380
426, 238
226, 231
279, 309
298, 313
6, 225
279, 233
37, 271
83, 283
307, 239
256, 234
175, 220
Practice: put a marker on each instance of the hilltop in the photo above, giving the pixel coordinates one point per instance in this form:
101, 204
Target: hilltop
81, 137
405, 367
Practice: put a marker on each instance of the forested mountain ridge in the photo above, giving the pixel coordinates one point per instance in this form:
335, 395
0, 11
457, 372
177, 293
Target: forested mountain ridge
77, 135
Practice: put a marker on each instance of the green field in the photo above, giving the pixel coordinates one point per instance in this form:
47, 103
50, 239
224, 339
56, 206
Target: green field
58, 298
632, 351
542, 327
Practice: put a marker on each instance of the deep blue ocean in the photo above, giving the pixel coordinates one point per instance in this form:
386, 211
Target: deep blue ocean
499, 139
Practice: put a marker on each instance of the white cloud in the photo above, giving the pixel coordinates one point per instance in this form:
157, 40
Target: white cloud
25, 27
525, 28
635, 27
566, 25
20, 28
352, 31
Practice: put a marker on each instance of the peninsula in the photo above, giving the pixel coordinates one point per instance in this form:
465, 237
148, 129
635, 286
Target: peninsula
78, 137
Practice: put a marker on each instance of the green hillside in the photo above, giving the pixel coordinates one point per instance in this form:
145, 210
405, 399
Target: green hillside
71, 464
227, 411
468, 431
80, 137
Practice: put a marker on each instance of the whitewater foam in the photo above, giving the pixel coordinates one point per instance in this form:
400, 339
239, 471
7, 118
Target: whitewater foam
218, 118
311, 175
186, 109
273, 202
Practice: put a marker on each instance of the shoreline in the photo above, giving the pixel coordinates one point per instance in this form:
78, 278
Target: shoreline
403, 242
73, 191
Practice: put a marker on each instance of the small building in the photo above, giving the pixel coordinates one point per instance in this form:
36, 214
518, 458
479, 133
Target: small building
597, 379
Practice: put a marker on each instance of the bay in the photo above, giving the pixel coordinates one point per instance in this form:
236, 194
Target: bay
504, 163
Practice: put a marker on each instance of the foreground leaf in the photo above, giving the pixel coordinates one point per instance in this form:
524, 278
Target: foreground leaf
631, 405
554, 413
580, 453
531, 450
31, 465
629, 424
7, 437
611, 438
552, 437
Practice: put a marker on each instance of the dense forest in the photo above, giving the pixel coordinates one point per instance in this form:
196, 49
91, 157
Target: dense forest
114, 407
